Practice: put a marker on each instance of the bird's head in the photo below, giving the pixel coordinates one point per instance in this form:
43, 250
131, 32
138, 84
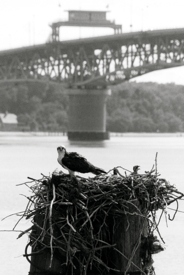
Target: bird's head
61, 150
136, 168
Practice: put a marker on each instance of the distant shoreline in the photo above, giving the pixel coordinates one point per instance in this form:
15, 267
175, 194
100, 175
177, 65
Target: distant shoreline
128, 134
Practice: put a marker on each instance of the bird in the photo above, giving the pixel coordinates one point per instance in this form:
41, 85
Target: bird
74, 162
136, 168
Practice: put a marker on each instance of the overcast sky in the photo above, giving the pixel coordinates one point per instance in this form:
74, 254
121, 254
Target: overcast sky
26, 22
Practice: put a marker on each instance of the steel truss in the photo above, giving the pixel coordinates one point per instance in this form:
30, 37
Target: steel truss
96, 61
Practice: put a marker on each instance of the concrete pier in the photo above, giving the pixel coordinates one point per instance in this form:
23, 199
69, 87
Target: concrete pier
87, 114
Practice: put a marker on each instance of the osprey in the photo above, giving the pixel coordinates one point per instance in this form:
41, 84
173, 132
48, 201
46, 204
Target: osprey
136, 168
74, 162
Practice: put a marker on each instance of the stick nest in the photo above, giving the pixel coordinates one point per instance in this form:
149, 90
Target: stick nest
76, 219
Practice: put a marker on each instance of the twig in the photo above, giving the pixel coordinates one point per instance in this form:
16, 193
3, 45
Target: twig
176, 199
171, 219
24, 232
50, 222
156, 163
67, 220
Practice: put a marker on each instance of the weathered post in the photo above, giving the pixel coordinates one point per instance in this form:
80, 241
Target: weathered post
96, 226
123, 256
40, 261
127, 237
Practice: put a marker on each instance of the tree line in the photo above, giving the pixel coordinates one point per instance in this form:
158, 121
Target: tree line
146, 107
132, 107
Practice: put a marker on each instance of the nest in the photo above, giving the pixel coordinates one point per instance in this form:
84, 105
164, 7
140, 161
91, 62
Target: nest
75, 219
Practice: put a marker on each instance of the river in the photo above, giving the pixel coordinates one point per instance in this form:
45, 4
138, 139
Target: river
25, 155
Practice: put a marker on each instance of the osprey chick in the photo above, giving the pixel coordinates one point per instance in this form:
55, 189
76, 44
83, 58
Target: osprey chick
136, 168
74, 162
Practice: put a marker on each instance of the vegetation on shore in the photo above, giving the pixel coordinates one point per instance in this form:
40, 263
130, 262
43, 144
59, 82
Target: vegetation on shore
132, 107
146, 107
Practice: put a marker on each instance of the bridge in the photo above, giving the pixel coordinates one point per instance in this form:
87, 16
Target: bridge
88, 67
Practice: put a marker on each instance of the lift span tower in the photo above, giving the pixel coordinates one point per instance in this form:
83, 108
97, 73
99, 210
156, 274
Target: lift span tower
80, 18
87, 106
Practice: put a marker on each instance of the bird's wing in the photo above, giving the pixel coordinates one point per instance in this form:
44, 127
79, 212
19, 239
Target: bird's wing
76, 162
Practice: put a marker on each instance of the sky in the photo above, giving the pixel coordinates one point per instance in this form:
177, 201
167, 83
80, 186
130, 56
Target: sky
26, 22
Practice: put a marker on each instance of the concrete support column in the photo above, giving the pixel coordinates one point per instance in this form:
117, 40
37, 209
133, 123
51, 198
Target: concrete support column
87, 114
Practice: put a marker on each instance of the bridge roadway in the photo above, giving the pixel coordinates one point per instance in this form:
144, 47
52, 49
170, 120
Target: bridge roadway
95, 62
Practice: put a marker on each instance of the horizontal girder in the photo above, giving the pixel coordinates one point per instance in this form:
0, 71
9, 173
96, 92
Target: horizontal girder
93, 62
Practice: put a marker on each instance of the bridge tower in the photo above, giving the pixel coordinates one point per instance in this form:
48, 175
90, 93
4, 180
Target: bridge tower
87, 104
80, 18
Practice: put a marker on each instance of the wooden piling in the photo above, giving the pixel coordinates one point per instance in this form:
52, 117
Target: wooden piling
40, 260
96, 226
123, 257
126, 232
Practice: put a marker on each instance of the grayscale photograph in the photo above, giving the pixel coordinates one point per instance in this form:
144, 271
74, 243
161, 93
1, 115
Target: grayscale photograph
92, 137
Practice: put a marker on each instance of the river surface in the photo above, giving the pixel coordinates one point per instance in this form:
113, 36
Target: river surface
25, 155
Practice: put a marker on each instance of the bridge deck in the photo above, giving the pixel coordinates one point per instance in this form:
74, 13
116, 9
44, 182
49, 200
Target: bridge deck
97, 41
99, 61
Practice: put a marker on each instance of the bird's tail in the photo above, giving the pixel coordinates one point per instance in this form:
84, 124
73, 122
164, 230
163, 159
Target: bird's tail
98, 171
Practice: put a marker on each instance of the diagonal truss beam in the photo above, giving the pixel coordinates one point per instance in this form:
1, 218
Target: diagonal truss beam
98, 61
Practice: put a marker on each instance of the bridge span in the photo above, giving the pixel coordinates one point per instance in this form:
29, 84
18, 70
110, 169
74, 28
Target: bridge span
95, 63
107, 59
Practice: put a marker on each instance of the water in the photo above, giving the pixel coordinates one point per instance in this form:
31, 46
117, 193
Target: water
25, 155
